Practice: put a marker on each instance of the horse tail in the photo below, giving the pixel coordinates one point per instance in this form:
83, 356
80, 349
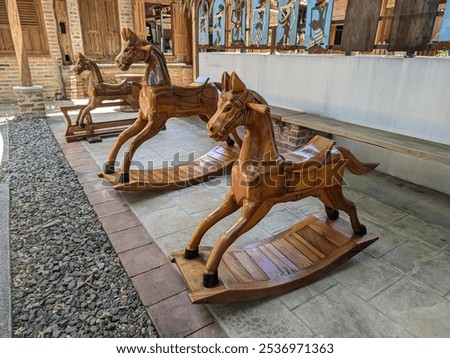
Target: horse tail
354, 165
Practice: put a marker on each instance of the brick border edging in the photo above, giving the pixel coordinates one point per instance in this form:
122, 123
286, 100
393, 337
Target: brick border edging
156, 280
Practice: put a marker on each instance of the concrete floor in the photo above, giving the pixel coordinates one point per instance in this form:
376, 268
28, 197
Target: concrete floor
397, 287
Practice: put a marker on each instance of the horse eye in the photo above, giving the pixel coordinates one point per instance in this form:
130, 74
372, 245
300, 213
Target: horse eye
228, 108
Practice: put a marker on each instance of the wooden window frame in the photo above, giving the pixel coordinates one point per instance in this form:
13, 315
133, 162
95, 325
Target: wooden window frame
36, 30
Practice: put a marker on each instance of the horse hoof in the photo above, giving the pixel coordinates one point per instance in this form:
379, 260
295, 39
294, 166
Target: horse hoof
333, 214
82, 125
230, 142
362, 231
108, 169
190, 254
124, 178
210, 280
164, 128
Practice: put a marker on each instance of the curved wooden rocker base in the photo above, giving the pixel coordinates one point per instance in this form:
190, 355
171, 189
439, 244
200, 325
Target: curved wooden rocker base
93, 132
282, 263
216, 162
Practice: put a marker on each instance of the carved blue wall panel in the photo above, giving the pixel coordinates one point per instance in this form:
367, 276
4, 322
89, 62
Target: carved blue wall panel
318, 23
219, 20
259, 27
203, 23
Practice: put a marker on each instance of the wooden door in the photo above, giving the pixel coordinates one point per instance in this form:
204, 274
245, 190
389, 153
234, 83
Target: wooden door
100, 28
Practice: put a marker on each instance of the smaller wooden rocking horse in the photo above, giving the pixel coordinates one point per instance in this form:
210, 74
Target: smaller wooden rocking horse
160, 100
99, 91
261, 178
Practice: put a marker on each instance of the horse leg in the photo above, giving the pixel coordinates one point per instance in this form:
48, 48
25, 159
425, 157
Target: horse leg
228, 207
251, 214
153, 126
80, 118
334, 200
135, 128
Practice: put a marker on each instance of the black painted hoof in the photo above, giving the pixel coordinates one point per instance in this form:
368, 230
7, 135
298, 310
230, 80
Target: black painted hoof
164, 128
190, 254
124, 178
108, 169
210, 280
82, 125
362, 231
332, 214
230, 142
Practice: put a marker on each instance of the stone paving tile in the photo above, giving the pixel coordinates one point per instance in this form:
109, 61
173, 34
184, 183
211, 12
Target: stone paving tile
408, 255
158, 284
306, 207
434, 272
378, 212
196, 201
94, 186
142, 259
262, 319
275, 222
110, 208
130, 239
387, 240
176, 317
103, 196
416, 308
298, 297
365, 276
166, 221
119, 222
339, 313
87, 178
411, 226
210, 331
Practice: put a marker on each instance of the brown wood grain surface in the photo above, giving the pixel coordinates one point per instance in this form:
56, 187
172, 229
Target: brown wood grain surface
360, 27
412, 25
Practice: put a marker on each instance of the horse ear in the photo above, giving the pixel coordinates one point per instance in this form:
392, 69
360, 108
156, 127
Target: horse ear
236, 83
225, 82
126, 33
80, 55
129, 35
260, 108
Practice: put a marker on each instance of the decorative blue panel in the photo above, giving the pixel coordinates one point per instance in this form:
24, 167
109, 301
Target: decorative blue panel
318, 23
203, 23
259, 27
444, 34
238, 16
219, 18
287, 22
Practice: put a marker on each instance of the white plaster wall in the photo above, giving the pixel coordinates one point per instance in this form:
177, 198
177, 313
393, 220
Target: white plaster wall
410, 96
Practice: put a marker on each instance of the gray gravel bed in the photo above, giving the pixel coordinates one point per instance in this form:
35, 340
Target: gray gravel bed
67, 280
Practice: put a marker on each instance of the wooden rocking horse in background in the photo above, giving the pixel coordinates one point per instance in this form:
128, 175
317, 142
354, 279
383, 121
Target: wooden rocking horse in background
160, 100
261, 178
99, 91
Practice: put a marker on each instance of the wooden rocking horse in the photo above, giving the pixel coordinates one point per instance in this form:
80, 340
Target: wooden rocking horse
261, 178
160, 100
99, 91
